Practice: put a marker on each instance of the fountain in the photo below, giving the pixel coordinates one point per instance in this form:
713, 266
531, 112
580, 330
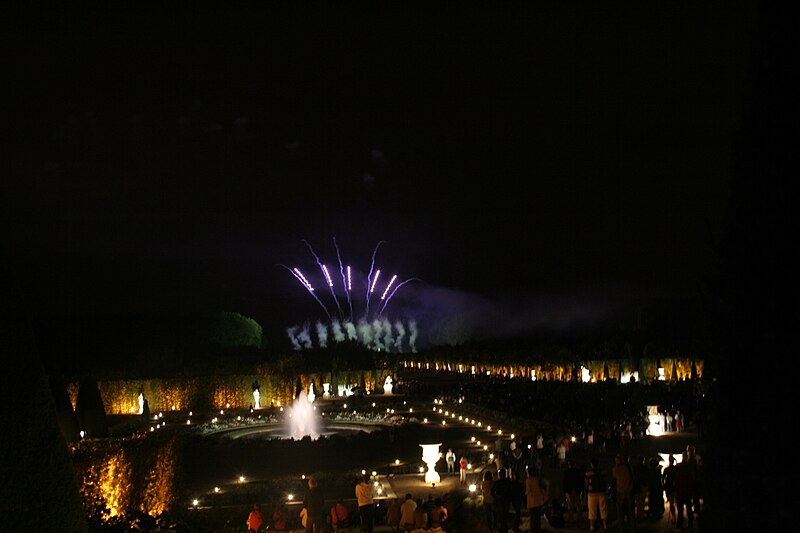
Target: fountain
387, 385
303, 419
430, 454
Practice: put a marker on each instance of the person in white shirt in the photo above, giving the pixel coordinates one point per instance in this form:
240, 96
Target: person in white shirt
450, 457
407, 513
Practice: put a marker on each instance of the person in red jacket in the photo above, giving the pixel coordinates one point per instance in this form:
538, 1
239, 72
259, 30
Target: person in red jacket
340, 516
255, 519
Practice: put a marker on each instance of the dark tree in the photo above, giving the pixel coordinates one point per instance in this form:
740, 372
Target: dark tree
90, 410
38, 491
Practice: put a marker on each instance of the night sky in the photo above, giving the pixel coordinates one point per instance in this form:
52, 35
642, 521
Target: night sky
535, 167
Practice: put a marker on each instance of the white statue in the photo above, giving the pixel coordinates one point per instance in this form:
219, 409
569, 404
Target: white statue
256, 397
387, 385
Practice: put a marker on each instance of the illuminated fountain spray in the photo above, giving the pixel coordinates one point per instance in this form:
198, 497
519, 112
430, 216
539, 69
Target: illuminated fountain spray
430, 455
303, 419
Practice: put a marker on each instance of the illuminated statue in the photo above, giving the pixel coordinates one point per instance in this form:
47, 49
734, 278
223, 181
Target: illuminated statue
430, 455
141, 403
256, 398
387, 385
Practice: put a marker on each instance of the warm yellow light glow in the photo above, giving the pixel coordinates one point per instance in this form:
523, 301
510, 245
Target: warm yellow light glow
397, 461
195, 502
290, 497
241, 479
216, 489
472, 487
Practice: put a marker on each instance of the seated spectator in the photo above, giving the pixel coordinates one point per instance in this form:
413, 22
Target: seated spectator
438, 514
280, 518
420, 516
340, 516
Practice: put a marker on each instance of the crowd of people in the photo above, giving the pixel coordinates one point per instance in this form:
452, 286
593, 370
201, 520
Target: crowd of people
556, 469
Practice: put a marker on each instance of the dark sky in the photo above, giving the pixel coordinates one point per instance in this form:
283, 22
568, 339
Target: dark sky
533, 166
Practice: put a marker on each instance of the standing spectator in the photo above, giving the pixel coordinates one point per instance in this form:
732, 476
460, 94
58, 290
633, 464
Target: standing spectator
450, 457
694, 467
596, 486
655, 492
314, 503
623, 488
502, 493
488, 500
517, 501
561, 454
668, 482
462, 470
572, 482
255, 519
536, 498
669, 421
641, 483
684, 491
517, 464
366, 504
407, 513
